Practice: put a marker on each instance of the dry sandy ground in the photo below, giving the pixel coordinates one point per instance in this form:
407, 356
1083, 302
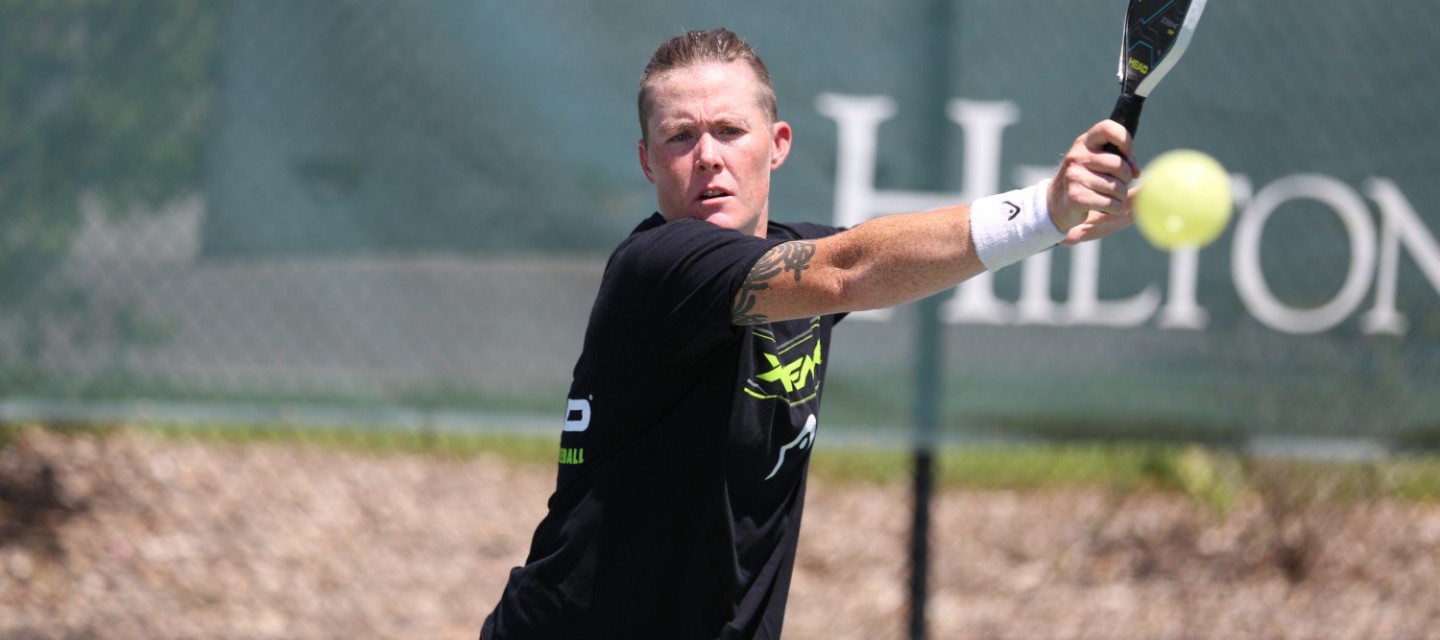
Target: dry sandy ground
130, 536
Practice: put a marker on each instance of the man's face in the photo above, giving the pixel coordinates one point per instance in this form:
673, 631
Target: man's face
711, 146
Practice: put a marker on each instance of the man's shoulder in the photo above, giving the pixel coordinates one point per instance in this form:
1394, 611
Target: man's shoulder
658, 239
656, 228
666, 241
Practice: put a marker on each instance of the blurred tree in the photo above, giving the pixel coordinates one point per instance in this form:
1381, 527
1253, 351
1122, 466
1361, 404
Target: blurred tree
107, 99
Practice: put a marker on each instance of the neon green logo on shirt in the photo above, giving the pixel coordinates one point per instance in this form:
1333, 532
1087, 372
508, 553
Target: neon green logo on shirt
795, 374
797, 377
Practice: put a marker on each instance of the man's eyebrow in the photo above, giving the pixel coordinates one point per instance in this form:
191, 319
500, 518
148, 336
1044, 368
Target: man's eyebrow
733, 121
678, 124
681, 124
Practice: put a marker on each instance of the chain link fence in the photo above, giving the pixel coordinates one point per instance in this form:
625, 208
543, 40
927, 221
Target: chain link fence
362, 217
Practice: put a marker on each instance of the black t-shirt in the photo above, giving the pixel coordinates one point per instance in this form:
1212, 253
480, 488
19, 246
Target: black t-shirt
681, 482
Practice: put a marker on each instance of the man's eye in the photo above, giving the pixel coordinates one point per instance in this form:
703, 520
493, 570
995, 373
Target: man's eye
680, 137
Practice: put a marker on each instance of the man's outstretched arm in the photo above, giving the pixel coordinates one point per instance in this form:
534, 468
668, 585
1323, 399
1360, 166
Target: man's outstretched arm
896, 259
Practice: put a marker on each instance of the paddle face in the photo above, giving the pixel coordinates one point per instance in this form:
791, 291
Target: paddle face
1156, 35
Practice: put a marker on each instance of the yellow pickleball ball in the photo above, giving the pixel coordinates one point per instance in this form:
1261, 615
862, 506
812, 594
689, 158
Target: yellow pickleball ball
1184, 200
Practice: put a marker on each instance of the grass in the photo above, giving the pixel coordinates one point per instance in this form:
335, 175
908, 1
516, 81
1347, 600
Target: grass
1000, 467
516, 448
1212, 476
994, 467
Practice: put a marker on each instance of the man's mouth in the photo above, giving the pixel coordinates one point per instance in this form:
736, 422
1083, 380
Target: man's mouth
711, 194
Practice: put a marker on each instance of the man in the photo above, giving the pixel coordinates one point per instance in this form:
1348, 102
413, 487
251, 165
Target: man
697, 395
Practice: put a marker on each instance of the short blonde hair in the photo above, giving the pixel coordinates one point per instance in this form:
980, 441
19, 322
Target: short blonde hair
695, 47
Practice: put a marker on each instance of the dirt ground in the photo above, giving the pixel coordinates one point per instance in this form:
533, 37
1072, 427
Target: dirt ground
131, 536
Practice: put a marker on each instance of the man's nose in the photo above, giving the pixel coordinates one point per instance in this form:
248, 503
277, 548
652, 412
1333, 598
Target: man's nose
707, 154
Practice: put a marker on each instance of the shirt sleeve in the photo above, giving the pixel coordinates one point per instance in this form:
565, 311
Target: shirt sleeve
682, 278
812, 231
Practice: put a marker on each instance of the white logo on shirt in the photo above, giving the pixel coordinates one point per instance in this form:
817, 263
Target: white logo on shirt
802, 441
577, 414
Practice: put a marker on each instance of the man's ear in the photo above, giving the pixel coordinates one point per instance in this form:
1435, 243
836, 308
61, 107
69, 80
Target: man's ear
780, 139
645, 161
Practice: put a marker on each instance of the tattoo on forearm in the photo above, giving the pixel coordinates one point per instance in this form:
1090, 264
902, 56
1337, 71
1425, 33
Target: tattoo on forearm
790, 256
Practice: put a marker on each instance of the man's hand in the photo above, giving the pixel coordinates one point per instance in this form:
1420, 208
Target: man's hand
1098, 224
1089, 197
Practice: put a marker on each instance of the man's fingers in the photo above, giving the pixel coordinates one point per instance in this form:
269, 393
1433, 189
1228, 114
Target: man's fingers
1087, 191
1092, 179
1109, 132
1101, 184
1098, 224
1120, 167
1107, 138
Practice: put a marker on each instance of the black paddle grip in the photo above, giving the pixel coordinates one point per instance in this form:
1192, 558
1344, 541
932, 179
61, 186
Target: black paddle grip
1127, 113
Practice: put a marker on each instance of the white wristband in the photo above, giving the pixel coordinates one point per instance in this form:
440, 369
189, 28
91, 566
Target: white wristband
1012, 226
